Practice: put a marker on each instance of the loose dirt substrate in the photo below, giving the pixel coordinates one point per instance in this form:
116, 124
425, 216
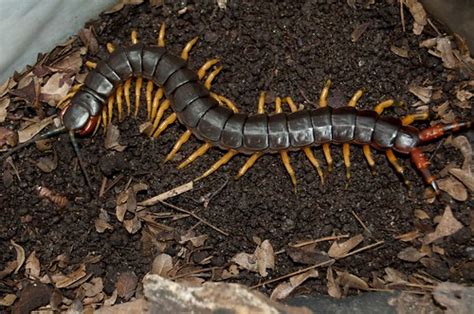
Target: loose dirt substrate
285, 48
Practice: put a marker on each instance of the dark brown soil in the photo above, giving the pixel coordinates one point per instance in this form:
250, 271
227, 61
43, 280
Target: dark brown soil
285, 48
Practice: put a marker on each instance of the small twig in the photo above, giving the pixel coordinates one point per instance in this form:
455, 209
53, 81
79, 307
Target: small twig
434, 27
195, 216
326, 263
164, 196
329, 238
102, 186
113, 183
360, 221
197, 271
402, 16
362, 249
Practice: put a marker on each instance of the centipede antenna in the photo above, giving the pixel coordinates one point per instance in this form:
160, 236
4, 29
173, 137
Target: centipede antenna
79, 158
41, 136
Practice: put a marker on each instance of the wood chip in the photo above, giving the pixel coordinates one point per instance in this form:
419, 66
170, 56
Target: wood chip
446, 227
338, 250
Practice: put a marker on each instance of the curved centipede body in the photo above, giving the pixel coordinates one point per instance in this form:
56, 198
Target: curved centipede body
216, 121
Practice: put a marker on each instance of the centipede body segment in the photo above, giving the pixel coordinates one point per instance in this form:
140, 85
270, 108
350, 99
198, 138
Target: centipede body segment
216, 121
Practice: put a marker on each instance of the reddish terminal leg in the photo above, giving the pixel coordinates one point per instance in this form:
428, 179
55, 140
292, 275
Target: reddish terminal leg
438, 130
422, 164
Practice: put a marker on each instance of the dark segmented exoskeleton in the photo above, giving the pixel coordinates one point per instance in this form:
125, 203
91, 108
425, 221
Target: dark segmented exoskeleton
216, 121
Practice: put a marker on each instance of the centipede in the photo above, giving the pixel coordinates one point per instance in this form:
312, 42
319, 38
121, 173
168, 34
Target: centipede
216, 121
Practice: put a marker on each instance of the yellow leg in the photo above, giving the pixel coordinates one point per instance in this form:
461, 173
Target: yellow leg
163, 107
188, 47
69, 95
222, 161
110, 107
327, 155
168, 121
248, 164
409, 119
126, 91
355, 98
261, 103
161, 36
346, 153
110, 47
91, 65
323, 98
199, 152
134, 37
393, 160
138, 93
383, 105
177, 146
286, 162
206, 66
97, 126
104, 117
368, 157
211, 77
156, 103
314, 161
228, 103
149, 100
118, 97
291, 104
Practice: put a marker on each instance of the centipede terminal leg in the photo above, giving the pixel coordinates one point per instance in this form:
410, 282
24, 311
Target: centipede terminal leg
422, 164
323, 102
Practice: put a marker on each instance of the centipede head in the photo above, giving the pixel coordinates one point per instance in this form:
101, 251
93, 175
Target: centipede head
78, 119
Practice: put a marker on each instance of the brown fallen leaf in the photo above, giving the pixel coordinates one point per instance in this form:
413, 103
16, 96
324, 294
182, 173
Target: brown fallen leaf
307, 255
411, 254
394, 276
56, 88
423, 93
132, 225
446, 227
409, 236
112, 137
8, 137
444, 47
121, 3
401, 52
92, 288
463, 144
126, 284
6, 86
4, 102
358, 31
71, 63
259, 261
232, 272
30, 131
32, 266
333, 288
47, 164
112, 299
419, 15
162, 264
454, 188
8, 300
196, 241
340, 249
284, 289
88, 39
102, 222
64, 281
464, 176
20, 255
348, 280
421, 214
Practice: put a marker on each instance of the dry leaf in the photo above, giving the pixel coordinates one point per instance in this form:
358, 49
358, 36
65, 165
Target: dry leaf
340, 249
112, 137
56, 88
421, 214
454, 188
447, 226
410, 254
465, 177
8, 300
4, 102
197, 241
284, 289
47, 164
333, 288
111, 301
419, 15
32, 266
30, 131
401, 52
409, 236
102, 222
162, 264
358, 31
443, 45
394, 276
348, 280
6, 86
64, 281
462, 143
126, 284
259, 261
423, 93
20, 255
70, 64
88, 39
92, 288
307, 255
232, 272
8, 137
265, 257
9, 268
132, 225
121, 3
